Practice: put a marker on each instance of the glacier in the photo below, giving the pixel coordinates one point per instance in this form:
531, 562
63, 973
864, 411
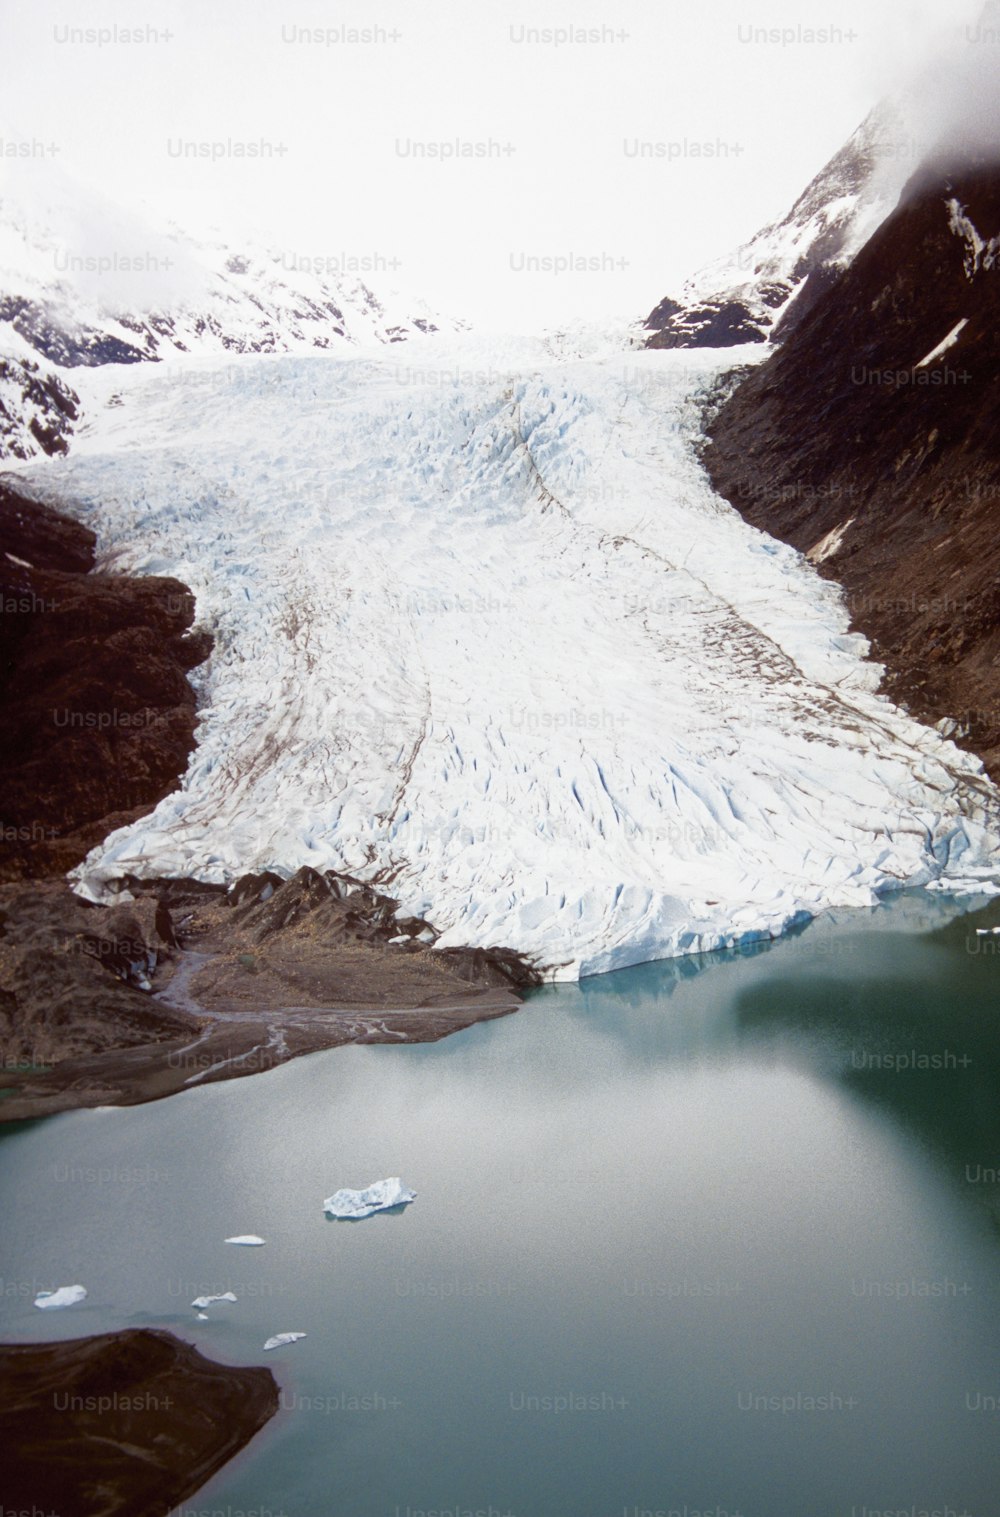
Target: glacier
486, 637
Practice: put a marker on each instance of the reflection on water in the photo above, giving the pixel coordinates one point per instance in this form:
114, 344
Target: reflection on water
908, 1022
714, 1234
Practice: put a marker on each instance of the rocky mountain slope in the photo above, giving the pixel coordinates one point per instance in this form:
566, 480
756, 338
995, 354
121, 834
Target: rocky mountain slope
871, 441
95, 705
763, 288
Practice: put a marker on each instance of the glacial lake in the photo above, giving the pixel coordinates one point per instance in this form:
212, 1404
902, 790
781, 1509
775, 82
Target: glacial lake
710, 1236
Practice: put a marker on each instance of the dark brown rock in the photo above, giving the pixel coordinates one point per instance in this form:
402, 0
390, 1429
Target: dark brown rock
846, 424
95, 705
128, 1423
71, 975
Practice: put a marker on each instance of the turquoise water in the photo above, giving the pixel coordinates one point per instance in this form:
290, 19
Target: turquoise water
710, 1236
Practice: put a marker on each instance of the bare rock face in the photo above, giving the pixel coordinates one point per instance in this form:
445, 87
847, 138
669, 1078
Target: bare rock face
126, 1424
97, 712
74, 978
870, 440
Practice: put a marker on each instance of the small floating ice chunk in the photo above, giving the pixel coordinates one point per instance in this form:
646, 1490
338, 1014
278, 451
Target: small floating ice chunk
247, 1240
203, 1316
379, 1196
65, 1295
200, 1302
280, 1339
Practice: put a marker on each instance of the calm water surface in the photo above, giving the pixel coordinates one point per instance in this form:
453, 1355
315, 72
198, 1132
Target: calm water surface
702, 1237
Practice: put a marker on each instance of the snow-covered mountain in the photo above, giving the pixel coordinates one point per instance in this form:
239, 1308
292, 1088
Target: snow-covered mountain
484, 635
38, 407
84, 282
746, 296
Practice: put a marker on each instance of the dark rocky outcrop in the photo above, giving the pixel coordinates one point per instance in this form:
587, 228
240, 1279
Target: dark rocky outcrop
123, 1425
74, 978
96, 709
882, 462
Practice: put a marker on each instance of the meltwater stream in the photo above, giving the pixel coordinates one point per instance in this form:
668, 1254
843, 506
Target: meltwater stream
707, 1236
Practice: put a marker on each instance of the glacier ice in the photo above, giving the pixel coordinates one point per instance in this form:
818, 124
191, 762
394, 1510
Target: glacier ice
65, 1295
200, 1302
246, 1240
381, 1195
280, 1339
484, 631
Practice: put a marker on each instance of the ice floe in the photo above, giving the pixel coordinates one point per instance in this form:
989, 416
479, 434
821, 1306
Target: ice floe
382, 1195
65, 1295
280, 1339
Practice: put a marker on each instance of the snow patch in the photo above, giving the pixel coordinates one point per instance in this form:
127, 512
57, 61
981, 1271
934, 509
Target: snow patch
945, 343
829, 545
980, 253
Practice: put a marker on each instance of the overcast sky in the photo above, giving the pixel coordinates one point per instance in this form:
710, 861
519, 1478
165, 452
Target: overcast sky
340, 125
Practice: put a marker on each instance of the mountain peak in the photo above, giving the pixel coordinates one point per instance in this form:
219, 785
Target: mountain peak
746, 296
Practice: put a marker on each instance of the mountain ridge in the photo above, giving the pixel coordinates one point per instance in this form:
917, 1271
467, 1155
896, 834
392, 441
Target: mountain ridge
786, 264
131, 293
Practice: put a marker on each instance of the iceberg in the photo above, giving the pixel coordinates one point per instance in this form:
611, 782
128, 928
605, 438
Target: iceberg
246, 1240
200, 1302
280, 1339
66, 1295
381, 1195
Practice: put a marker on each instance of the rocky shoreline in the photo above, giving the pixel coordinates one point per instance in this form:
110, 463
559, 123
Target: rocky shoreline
128, 1423
184, 984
